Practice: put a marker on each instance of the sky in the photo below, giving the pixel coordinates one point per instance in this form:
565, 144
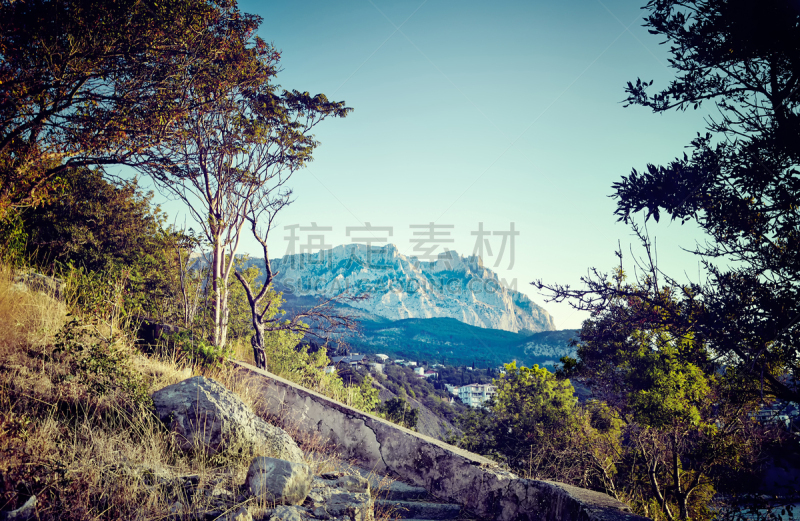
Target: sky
481, 118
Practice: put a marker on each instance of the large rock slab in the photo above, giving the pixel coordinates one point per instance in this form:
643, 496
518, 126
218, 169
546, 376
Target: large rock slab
279, 481
206, 415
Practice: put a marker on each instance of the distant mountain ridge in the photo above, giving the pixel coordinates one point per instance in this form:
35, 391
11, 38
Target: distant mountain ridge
403, 287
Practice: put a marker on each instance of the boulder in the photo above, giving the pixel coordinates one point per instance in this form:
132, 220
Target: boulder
206, 415
279, 481
241, 514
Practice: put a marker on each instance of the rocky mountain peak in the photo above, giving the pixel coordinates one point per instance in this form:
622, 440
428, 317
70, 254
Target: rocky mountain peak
401, 286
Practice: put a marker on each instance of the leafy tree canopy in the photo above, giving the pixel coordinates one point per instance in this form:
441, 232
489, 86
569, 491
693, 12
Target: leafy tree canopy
739, 183
87, 83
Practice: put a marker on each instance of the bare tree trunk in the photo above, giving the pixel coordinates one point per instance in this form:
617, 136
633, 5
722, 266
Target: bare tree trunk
220, 288
257, 341
216, 275
190, 301
257, 319
683, 498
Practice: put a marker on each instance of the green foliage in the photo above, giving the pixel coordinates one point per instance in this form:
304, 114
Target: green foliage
535, 425
686, 430
398, 410
110, 245
530, 406
94, 224
739, 184
72, 67
194, 350
13, 239
666, 391
100, 363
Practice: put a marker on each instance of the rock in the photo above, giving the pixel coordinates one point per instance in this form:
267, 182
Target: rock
37, 282
284, 513
176, 507
353, 484
329, 500
279, 480
205, 414
24, 513
356, 507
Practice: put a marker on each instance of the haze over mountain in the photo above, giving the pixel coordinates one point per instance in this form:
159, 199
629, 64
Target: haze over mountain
404, 287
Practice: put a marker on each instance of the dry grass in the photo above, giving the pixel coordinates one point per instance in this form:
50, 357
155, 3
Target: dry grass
84, 442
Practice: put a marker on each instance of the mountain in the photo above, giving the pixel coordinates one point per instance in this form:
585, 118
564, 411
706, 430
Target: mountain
400, 287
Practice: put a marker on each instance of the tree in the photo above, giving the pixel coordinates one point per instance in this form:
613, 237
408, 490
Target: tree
108, 230
319, 321
229, 160
688, 425
740, 184
94, 224
94, 83
534, 424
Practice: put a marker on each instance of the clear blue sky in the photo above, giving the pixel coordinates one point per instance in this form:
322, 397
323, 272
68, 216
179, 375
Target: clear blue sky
467, 112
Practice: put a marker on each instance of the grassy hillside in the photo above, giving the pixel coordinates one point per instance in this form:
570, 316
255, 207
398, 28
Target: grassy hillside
76, 423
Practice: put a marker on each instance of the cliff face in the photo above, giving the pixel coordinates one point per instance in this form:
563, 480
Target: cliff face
401, 287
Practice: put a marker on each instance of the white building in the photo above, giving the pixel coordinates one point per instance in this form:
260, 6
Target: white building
381, 357
475, 395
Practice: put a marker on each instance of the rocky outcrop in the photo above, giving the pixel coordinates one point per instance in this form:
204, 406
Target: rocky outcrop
204, 414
